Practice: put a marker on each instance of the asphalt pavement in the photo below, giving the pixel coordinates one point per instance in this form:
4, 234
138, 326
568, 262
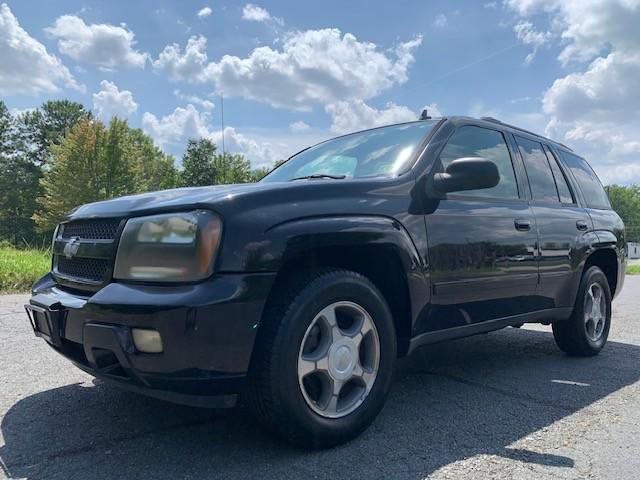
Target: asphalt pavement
506, 405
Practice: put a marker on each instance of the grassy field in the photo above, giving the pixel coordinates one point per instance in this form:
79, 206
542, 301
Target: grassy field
19, 269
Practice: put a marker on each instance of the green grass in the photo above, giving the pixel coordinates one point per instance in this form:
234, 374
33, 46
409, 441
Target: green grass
633, 269
19, 269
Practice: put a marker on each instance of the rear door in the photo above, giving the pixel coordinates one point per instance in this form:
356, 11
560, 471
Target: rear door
482, 243
563, 225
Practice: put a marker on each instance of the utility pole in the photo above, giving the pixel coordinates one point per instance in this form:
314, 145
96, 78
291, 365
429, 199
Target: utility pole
222, 121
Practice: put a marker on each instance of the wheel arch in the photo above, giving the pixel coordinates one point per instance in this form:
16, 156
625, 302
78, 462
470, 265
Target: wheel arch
607, 260
376, 247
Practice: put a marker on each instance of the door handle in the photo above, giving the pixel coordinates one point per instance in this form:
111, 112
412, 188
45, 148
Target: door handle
581, 225
522, 224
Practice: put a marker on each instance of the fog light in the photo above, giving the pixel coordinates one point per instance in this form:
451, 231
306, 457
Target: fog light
147, 341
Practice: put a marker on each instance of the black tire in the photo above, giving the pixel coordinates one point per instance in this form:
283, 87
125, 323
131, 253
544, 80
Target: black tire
572, 335
275, 395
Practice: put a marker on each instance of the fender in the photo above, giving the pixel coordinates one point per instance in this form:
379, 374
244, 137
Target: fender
303, 237
605, 238
298, 236
587, 244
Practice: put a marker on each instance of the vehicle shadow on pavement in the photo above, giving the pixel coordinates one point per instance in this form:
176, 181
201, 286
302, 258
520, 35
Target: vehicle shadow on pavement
450, 401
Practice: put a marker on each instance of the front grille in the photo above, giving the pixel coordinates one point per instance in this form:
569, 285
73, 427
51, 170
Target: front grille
90, 247
98, 229
91, 269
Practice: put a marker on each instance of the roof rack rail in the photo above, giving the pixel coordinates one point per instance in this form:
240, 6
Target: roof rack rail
491, 119
500, 122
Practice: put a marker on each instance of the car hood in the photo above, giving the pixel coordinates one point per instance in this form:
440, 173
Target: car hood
167, 200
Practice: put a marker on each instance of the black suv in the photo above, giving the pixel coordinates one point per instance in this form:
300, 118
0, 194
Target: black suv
302, 290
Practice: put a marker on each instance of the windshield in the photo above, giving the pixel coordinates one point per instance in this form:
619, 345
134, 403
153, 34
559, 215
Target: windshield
384, 151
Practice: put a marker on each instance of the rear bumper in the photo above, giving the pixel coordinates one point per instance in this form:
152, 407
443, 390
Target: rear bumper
207, 329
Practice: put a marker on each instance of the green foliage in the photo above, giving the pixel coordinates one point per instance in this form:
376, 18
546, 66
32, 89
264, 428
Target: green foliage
197, 163
257, 174
277, 163
58, 156
153, 169
47, 125
202, 165
19, 269
18, 183
95, 163
24, 150
75, 174
626, 202
230, 168
633, 270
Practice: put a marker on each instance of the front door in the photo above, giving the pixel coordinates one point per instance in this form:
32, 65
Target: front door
482, 243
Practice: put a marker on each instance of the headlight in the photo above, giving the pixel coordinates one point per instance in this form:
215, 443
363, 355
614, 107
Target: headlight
172, 247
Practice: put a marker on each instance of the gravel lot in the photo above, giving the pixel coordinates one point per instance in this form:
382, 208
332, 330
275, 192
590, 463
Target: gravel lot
503, 405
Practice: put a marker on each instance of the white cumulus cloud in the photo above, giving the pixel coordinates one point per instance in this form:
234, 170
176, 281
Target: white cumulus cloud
177, 127
109, 46
112, 102
204, 12
596, 108
440, 21
194, 99
529, 35
255, 13
188, 66
26, 67
354, 115
314, 66
298, 126
173, 130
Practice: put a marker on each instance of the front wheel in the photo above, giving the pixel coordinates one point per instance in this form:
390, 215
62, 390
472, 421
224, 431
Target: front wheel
324, 359
585, 333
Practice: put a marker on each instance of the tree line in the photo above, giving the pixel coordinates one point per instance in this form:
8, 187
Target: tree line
59, 156
626, 201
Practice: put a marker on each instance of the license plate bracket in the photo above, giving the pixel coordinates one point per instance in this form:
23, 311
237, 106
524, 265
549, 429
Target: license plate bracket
47, 321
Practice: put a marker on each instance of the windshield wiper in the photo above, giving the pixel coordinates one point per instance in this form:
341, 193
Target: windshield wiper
319, 175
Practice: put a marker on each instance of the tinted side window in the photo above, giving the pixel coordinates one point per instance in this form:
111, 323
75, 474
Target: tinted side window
561, 182
543, 187
472, 141
594, 194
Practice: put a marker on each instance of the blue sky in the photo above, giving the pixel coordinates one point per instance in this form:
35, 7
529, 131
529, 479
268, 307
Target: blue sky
293, 73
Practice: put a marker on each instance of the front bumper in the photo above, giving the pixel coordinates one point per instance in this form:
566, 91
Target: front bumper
208, 331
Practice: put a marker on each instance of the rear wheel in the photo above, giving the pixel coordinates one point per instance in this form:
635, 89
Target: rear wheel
324, 359
585, 332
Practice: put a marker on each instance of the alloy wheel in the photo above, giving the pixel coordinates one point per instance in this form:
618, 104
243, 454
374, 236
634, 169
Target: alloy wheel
338, 359
594, 312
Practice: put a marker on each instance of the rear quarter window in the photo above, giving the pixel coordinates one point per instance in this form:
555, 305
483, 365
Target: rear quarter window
592, 190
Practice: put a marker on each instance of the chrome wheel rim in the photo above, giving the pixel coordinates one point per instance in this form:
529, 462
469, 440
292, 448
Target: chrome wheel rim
338, 359
594, 312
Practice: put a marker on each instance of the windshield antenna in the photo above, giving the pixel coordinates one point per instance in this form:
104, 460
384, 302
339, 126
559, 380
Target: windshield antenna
425, 115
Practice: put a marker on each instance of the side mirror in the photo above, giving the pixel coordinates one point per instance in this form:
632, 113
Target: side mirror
468, 173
